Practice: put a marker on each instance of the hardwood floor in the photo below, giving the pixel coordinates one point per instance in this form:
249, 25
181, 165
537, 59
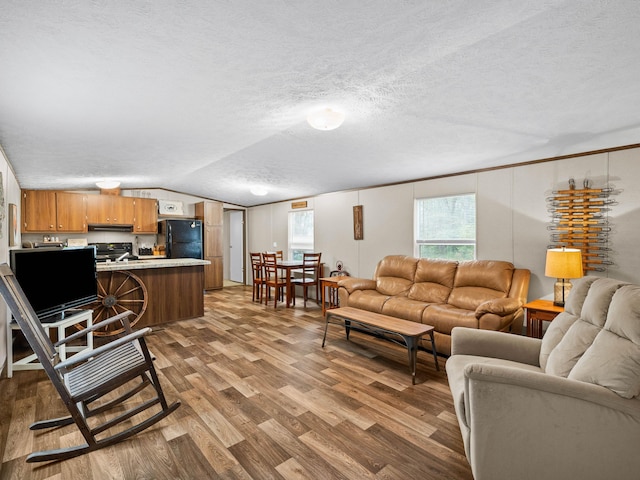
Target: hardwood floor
260, 399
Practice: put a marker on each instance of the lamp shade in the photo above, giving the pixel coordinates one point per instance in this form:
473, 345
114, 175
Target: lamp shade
326, 119
563, 263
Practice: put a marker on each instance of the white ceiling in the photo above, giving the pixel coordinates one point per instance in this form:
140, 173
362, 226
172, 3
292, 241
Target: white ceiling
209, 97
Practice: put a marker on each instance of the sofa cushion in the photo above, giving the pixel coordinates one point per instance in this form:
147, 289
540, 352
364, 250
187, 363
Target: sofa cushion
405, 308
613, 359
480, 280
581, 334
394, 274
370, 300
445, 317
433, 280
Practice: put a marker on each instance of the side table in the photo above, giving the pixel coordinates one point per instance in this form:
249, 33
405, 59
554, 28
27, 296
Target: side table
538, 311
30, 361
330, 284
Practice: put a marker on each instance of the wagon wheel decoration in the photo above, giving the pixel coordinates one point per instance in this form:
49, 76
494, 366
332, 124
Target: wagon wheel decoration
118, 291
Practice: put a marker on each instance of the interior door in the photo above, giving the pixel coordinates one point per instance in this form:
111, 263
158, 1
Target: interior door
236, 246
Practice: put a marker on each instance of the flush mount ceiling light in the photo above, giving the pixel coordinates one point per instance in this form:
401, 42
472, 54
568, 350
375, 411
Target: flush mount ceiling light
259, 191
107, 184
325, 119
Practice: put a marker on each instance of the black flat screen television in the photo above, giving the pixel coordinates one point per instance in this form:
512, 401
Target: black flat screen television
56, 279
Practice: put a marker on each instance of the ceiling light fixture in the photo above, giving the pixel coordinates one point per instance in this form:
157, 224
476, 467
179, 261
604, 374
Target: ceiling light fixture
107, 184
325, 119
259, 191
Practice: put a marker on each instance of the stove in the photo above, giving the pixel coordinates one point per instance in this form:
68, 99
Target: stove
113, 251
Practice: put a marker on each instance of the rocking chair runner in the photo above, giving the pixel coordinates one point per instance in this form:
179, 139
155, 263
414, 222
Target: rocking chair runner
89, 376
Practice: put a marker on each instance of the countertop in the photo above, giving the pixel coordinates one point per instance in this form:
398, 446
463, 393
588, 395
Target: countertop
149, 263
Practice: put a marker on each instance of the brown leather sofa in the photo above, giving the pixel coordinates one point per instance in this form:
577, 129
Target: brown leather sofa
484, 294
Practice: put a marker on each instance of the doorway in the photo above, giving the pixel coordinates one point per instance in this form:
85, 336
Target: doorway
236, 246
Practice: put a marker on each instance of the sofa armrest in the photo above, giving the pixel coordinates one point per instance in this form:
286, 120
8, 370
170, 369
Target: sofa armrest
352, 284
499, 306
489, 343
521, 422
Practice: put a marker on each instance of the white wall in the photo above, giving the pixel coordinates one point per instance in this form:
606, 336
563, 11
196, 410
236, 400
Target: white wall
11, 195
511, 210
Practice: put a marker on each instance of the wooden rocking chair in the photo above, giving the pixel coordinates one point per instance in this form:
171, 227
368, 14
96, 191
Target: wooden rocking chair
89, 376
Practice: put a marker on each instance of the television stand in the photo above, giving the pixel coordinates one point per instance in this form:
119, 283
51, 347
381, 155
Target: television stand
62, 323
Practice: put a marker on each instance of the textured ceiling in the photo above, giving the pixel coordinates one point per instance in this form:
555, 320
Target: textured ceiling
209, 98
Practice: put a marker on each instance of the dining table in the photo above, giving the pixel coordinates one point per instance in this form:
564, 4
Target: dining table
288, 266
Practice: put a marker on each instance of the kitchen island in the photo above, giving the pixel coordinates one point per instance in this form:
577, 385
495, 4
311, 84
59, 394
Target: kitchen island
157, 291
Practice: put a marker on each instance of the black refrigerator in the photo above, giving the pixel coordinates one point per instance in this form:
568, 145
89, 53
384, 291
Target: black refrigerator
181, 238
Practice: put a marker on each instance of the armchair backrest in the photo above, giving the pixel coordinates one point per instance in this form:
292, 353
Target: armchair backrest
597, 338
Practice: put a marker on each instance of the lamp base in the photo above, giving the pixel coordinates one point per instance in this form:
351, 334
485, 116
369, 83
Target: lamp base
561, 291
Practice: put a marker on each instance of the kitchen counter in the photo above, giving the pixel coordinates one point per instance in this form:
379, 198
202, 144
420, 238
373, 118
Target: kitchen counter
149, 263
157, 290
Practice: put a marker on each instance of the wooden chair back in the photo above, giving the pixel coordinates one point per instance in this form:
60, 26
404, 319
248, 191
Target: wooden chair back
256, 266
310, 275
311, 268
271, 270
257, 275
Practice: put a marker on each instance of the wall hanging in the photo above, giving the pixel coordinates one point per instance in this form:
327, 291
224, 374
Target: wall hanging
579, 219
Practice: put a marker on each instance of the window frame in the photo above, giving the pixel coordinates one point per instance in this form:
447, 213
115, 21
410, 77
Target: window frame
444, 241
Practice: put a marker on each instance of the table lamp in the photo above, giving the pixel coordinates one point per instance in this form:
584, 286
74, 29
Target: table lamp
563, 264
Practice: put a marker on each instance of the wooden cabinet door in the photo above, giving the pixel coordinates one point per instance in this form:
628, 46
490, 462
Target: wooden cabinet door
146, 215
213, 213
98, 210
213, 273
38, 211
122, 210
109, 210
213, 241
71, 212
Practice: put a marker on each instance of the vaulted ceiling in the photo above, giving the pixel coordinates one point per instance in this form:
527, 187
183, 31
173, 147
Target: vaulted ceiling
209, 98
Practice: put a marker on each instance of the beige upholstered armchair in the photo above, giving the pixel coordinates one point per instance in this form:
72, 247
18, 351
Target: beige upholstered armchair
563, 407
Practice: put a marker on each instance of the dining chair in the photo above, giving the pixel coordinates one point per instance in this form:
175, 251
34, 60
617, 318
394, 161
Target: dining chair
273, 278
92, 382
310, 276
257, 274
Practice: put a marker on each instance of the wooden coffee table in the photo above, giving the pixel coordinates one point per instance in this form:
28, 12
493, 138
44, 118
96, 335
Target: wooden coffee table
410, 332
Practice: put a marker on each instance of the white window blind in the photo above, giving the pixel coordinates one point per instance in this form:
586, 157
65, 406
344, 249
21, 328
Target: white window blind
300, 233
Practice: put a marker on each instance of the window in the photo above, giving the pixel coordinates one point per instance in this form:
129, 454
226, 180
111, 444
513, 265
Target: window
300, 233
446, 227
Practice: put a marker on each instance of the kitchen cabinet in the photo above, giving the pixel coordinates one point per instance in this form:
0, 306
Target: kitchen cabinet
53, 211
211, 214
145, 212
110, 210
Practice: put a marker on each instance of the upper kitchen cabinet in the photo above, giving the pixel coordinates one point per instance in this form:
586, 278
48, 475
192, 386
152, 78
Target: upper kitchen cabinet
51, 211
211, 214
110, 210
146, 215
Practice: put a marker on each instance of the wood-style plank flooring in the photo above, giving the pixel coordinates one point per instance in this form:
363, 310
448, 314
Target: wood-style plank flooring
260, 400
